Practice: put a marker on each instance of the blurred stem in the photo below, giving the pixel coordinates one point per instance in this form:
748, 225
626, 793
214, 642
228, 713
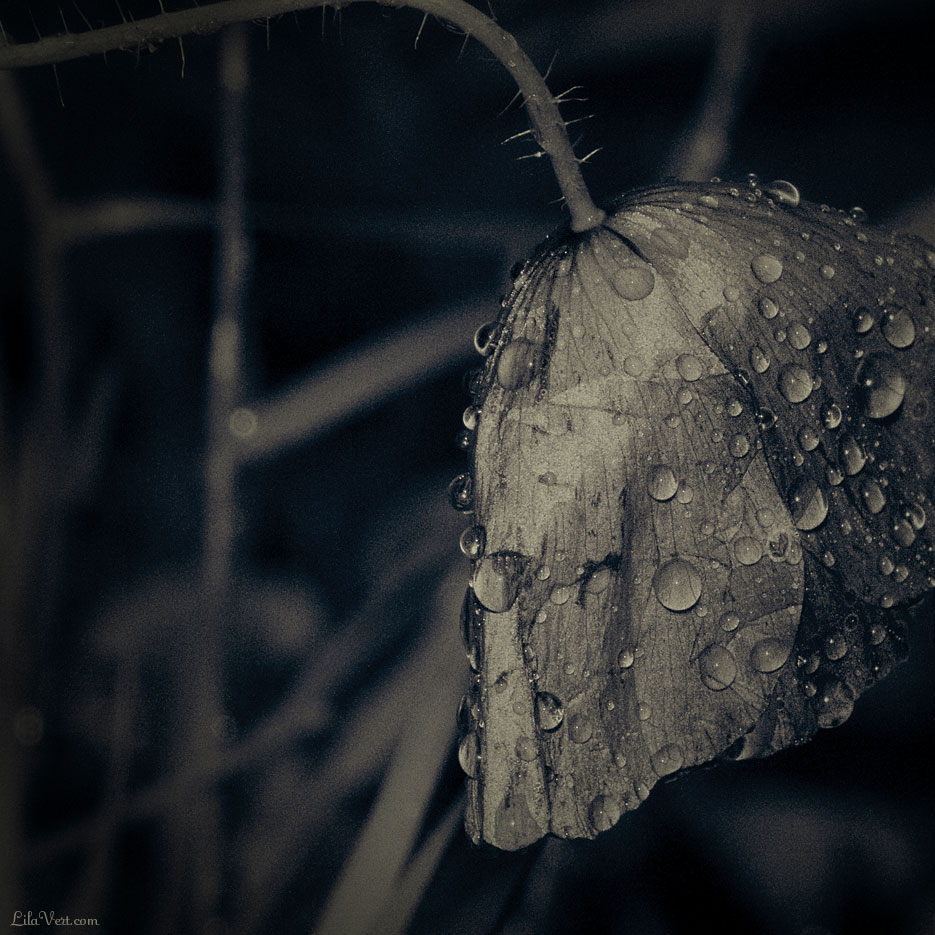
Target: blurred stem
548, 126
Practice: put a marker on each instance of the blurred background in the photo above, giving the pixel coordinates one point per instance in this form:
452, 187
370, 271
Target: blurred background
239, 277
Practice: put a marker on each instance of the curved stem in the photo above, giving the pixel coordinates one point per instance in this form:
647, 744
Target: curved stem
548, 126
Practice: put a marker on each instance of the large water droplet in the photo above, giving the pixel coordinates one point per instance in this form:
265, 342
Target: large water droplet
461, 493
689, 367
469, 754
677, 584
852, 455
769, 654
497, 580
549, 711
517, 364
808, 504
799, 336
766, 267
758, 360
835, 646
882, 386
662, 483
634, 282
667, 760
472, 541
808, 438
898, 327
717, 667
835, 704
783, 192
580, 729
872, 495
599, 581
795, 383
747, 550
768, 308
604, 812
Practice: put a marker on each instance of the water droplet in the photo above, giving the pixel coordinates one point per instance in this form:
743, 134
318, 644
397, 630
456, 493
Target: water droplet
766, 267
497, 580
604, 812
517, 364
808, 504
852, 455
835, 646
882, 386
672, 420
625, 659
915, 514
835, 704
731, 293
734, 408
828, 559
689, 367
549, 711
644, 711
769, 654
747, 550
469, 754
599, 581
559, 594
872, 495
765, 418
662, 483
898, 327
831, 415
472, 541
485, 338
780, 335
808, 438
667, 760
633, 365
526, 748
765, 518
768, 308
461, 493
863, 320
900, 574
709, 201
684, 396
543, 572
634, 282
821, 346
903, 532
795, 383
783, 192
729, 622
827, 272
758, 360
876, 634
858, 214
718, 667
738, 445
580, 729
677, 584
799, 336
885, 565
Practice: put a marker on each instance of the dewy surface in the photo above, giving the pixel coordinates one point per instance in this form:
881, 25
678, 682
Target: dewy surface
702, 494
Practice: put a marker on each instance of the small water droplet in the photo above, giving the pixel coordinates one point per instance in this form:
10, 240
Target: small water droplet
765, 518
729, 622
898, 327
799, 336
689, 367
903, 532
858, 214
709, 201
559, 594
485, 338
580, 728
835, 704
863, 320
885, 565
685, 494
672, 420
831, 415
604, 811
758, 360
526, 748
667, 760
828, 559
795, 383
599, 581
634, 282
684, 396
765, 418
497, 580
780, 335
783, 192
766, 267
549, 711
876, 634
768, 308
734, 408
469, 754
747, 550
834, 475
662, 483
644, 711
808, 438
872, 495
915, 514
472, 541
518, 363
677, 584
718, 667
852, 455
882, 386
808, 504
625, 659
738, 445
900, 574
835, 646
633, 365
769, 654
827, 272
461, 493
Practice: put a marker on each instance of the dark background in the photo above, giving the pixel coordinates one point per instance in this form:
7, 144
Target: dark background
378, 194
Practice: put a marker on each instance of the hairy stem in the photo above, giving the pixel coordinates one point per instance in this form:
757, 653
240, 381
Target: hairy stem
548, 126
